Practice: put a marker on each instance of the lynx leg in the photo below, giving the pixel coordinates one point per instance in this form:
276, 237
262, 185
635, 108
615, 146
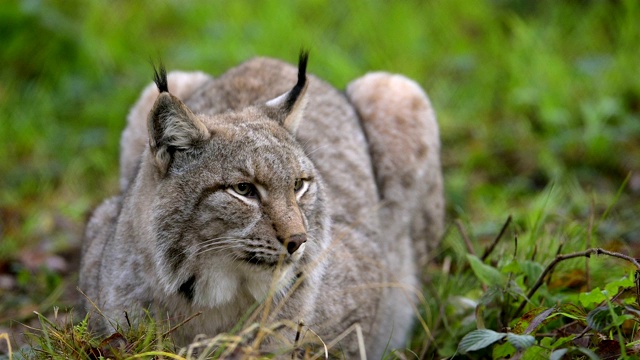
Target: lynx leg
134, 137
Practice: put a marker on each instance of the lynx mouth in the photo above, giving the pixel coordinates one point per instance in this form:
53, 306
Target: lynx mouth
255, 259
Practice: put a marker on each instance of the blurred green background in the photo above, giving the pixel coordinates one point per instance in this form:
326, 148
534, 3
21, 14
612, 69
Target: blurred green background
538, 101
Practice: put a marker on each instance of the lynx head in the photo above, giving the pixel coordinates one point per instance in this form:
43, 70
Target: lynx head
237, 205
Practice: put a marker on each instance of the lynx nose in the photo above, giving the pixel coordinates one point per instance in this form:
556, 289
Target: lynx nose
294, 242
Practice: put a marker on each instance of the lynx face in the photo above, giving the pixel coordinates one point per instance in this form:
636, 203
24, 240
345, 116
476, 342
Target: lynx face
236, 200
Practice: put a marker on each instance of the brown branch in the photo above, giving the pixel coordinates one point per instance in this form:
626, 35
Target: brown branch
182, 323
463, 233
559, 258
489, 250
558, 253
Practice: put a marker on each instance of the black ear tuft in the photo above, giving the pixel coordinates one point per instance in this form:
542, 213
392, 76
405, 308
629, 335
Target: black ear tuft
302, 81
160, 78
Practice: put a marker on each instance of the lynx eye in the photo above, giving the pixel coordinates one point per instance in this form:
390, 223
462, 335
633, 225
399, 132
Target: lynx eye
245, 189
299, 185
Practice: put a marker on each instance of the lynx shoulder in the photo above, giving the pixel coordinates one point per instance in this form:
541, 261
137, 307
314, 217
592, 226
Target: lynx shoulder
267, 187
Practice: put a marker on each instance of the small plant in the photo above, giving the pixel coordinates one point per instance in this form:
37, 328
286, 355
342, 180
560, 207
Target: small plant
61, 339
598, 323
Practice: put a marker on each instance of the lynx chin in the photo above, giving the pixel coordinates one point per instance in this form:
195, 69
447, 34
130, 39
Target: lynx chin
266, 189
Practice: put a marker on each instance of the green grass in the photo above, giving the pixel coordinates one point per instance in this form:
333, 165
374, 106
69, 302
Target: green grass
538, 103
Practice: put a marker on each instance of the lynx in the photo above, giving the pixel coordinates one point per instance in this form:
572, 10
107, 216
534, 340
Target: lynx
315, 206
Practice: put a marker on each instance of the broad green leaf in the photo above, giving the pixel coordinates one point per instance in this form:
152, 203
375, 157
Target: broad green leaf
535, 353
558, 354
603, 317
595, 296
487, 274
562, 341
532, 270
600, 318
621, 318
546, 342
512, 267
479, 339
521, 341
612, 287
503, 351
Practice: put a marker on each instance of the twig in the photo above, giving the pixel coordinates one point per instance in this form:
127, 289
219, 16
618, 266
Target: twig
559, 258
558, 253
489, 250
182, 323
126, 317
463, 233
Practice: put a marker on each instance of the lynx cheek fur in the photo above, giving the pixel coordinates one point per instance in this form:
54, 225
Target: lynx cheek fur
235, 191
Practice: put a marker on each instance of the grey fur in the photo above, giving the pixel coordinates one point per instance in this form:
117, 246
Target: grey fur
372, 205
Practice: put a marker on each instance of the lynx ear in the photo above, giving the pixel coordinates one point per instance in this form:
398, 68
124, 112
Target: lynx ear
172, 126
287, 109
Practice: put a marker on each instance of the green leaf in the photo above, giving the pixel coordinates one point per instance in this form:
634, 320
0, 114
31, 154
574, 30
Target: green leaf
512, 267
546, 342
492, 295
535, 353
589, 353
612, 287
503, 351
521, 342
600, 318
479, 339
562, 341
514, 290
558, 354
532, 270
595, 296
572, 311
487, 274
